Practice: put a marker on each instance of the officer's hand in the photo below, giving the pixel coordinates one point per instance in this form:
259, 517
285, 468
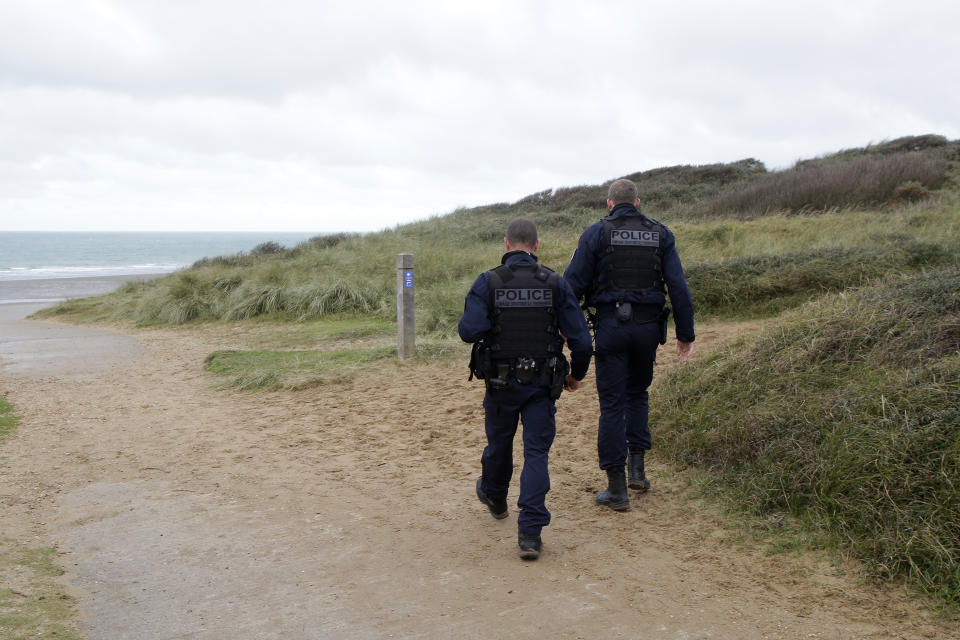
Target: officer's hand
684, 350
573, 384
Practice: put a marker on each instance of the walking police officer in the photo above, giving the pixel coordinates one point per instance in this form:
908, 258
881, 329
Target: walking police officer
518, 316
624, 266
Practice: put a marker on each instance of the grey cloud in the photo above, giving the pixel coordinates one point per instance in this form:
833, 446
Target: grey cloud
303, 107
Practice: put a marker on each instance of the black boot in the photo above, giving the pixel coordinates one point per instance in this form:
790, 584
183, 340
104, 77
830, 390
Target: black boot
615, 496
530, 545
498, 508
636, 477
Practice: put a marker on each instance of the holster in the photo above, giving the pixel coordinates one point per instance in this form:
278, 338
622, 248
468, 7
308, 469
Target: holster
499, 379
554, 375
662, 318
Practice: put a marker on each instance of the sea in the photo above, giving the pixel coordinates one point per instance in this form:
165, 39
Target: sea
46, 267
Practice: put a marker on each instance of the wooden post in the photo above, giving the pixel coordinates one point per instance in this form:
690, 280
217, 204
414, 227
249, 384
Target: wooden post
406, 337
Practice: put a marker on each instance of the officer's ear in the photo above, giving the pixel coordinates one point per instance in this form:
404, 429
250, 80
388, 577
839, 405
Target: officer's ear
610, 204
536, 245
506, 243
636, 203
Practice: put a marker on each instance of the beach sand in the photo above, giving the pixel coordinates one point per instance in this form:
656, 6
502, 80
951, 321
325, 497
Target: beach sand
31, 349
186, 511
47, 291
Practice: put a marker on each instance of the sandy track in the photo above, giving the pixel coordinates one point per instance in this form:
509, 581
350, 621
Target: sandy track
348, 511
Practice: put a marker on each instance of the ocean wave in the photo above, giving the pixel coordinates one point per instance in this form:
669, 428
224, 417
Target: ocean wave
48, 273
31, 301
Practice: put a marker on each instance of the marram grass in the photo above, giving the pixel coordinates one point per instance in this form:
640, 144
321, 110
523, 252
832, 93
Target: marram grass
845, 414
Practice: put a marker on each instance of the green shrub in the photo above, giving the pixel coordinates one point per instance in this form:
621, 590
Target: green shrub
847, 415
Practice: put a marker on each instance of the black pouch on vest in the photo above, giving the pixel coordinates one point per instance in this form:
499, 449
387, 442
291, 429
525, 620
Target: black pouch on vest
500, 382
525, 370
476, 366
623, 312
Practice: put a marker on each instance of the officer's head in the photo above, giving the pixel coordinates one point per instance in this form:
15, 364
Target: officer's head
622, 191
522, 236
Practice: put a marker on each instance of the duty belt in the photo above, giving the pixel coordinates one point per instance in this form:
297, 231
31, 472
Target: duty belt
639, 315
521, 367
548, 372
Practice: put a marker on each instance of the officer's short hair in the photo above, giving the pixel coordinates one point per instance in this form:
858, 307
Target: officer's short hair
622, 191
522, 232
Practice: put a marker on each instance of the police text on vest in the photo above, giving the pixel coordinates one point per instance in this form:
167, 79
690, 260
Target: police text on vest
635, 237
523, 298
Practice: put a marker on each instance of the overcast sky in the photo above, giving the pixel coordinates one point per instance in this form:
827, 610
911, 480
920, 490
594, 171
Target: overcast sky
328, 116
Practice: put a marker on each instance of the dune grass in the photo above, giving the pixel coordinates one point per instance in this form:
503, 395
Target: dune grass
292, 369
846, 415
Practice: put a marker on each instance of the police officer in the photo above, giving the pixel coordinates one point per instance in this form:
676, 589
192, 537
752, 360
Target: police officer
518, 314
624, 266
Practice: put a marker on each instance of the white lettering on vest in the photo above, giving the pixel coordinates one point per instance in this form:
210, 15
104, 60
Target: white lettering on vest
523, 298
634, 237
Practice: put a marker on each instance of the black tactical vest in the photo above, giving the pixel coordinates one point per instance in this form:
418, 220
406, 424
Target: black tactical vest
523, 312
632, 260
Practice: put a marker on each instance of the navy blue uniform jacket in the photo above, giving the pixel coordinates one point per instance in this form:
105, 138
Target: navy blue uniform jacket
475, 322
580, 273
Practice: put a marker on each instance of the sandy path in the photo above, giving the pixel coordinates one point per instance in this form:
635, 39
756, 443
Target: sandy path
348, 511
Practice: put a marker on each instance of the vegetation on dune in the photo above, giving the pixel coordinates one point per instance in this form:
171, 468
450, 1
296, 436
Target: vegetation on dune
736, 268
846, 414
869, 180
923, 143
764, 285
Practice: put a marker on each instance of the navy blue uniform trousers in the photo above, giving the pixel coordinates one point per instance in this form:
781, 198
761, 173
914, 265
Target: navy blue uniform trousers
533, 405
625, 354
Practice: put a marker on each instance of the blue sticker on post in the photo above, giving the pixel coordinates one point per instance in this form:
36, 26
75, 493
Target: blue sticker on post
408, 279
